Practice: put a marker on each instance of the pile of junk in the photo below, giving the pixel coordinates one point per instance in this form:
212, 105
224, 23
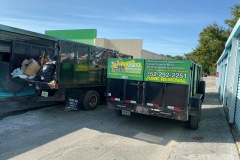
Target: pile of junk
42, 69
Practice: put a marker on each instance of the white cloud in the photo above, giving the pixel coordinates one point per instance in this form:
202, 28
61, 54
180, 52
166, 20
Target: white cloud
142, 18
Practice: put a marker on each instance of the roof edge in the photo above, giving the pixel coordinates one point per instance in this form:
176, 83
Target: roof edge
235, 32
26, 32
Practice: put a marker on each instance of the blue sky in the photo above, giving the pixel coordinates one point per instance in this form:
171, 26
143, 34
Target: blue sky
166, 27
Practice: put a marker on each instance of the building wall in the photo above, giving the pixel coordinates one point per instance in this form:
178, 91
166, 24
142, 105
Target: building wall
127, 46
101, 42
151, 55
228, 78
131, 47
86, 36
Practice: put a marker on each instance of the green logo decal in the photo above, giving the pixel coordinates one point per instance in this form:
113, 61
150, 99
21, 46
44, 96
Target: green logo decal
131, 69
167, 71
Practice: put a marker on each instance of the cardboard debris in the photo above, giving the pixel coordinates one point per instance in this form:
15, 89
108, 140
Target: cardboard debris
32, 68
24, 64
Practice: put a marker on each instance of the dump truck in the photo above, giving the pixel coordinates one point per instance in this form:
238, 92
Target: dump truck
58, 69
171, 89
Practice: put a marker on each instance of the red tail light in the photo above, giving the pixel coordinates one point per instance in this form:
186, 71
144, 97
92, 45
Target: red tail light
177, 108
112, 98
155, 105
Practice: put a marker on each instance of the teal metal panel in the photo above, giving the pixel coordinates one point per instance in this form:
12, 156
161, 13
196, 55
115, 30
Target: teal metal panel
25, 92
6, 84
4, 94
235, 32
237, 113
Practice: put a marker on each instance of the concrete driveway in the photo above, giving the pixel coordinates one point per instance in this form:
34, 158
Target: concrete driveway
54, 133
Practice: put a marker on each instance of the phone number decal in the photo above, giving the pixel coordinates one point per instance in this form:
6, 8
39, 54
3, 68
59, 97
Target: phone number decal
167, 75
167, 71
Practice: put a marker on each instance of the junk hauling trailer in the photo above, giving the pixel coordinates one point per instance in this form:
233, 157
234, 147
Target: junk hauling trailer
165, 88
58, 70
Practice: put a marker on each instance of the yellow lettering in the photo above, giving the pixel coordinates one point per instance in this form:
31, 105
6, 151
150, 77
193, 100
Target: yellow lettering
179, 80
153, 78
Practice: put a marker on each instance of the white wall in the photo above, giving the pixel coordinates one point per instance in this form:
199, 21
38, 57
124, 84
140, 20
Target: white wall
127, 46
151, 55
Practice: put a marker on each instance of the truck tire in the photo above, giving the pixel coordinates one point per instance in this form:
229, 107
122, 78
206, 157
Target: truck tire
194, 121
118, 112
200, 112
201, 89
90, 100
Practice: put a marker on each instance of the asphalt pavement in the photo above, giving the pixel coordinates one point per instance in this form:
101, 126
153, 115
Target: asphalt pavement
57, 133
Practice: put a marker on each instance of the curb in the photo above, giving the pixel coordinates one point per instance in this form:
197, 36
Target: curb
236, 136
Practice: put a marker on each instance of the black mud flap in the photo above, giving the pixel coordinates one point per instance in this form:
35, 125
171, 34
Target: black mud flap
196, 105
195, 111
74, 99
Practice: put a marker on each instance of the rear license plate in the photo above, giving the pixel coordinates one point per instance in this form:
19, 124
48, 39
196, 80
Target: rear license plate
126, 113
44, 94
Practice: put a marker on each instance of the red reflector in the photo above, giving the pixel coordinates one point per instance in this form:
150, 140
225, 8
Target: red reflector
177, 108
155, 105
128, 101
112, 98
56, 86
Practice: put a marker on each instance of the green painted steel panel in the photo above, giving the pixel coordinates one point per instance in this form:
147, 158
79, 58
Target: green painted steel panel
167, 71
131, 69
73, 34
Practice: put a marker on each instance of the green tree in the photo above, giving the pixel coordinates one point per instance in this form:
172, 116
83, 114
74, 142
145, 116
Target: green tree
212, 41
192, 56
235, 11
211, 45
169, 56
179, 57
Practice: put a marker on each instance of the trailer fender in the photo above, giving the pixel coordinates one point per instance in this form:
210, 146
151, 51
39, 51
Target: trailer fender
201, 89
195, 111
196, 104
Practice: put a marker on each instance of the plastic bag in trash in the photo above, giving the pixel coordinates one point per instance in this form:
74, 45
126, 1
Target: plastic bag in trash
16, 72
46, 73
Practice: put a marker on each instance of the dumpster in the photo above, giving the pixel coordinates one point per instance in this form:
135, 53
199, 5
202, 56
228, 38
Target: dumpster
165, 88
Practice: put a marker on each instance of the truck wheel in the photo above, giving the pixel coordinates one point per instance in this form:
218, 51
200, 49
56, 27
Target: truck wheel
201, 89
90, 100
194, 121
118, 112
